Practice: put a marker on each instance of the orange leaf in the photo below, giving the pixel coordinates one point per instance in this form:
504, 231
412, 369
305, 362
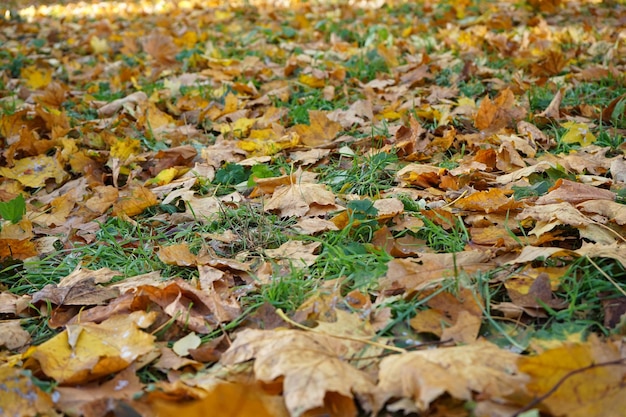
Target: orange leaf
17, 249
89, 351
178, 254
321, 130
490, 201
140, 199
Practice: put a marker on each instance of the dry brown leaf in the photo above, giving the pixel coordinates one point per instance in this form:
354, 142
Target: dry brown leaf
99, 400
80, 288
311, 365
298, 199
574, 192
321, 130
413, 274
178, 254
423, 376
295, 253
456, 317
12, 335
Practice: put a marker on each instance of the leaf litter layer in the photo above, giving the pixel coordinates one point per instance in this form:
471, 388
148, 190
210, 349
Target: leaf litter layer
312, 209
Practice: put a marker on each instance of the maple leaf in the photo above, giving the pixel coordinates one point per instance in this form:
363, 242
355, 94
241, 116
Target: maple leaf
577, 133
320, 131
426, 375
582, 380
496, 114
309, 363
34, 171
301, 199
89, 351
20, 396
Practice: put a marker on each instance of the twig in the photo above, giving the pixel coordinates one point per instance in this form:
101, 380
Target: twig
283, 316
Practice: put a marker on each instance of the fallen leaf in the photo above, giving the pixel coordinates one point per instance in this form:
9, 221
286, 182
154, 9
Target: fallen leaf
321, 130
182, 346
310, 364
233, 400
580, 379
12, 335
21, 397
299, 199
459, 371
89, 351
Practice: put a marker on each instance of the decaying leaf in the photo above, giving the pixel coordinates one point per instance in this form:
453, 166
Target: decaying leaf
314, 374
459, 371
86, 352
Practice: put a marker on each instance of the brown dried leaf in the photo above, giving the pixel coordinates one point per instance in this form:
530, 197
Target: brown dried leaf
310, 364
459, 371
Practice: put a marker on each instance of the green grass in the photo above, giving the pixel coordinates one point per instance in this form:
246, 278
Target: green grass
362, 175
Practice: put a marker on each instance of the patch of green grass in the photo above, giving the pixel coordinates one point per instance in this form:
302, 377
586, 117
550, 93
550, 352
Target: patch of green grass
366, 66
539, 97
439, 239
363, 175
585, 286
286, 292
303, 99
600, 92
347, 253
256, 229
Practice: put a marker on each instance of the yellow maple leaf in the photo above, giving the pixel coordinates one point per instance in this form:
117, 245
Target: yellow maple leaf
321, 130
123, 149
577, 383
99, 46
88, 351
577, 133
240, 128
36, 78
34, 171
140, 199
311, 81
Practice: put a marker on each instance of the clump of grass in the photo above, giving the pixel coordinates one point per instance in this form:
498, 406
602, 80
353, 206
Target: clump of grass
451, 239
363, 175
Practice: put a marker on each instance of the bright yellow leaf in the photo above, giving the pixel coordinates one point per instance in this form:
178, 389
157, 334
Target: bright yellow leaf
577, 133
123, 149
36, 77
34, 171
311, 81
140, 199
84, 352
99, 46
164, 177
240, 128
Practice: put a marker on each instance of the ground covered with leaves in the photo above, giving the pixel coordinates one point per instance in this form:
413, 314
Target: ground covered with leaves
312, 209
